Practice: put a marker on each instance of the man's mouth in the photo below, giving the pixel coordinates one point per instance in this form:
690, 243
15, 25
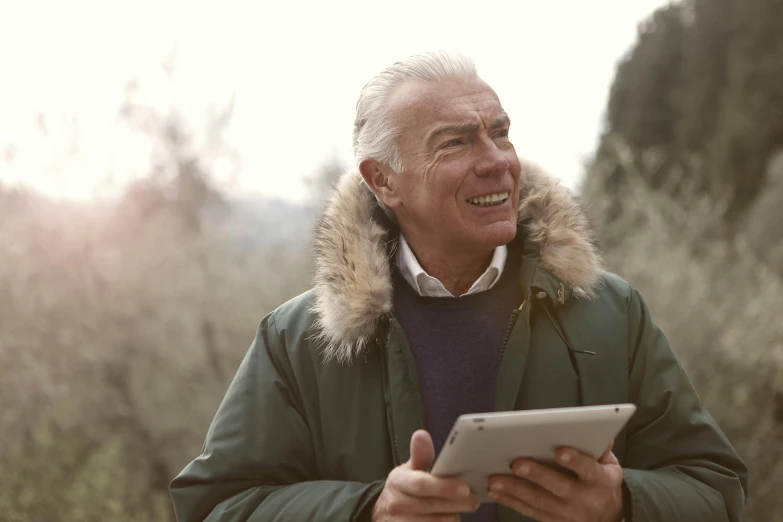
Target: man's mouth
489, 200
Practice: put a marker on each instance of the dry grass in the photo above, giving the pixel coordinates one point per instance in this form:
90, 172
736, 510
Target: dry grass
718, 304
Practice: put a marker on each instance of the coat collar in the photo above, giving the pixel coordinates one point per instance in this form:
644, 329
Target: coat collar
353, 248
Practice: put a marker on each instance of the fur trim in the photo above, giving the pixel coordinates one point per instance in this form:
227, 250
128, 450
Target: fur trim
353, 287
562, 230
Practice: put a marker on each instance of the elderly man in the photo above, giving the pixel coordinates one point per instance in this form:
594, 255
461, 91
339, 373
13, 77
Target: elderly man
452, 279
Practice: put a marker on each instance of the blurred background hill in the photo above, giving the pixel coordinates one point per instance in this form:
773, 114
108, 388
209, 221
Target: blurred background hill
686, 188
124, 318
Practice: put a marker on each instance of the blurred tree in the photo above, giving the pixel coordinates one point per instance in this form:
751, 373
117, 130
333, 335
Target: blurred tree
704, 83
121, 325
750, 125
640, 103
710, 33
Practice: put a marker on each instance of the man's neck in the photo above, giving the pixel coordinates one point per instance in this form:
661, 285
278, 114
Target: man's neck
457, 271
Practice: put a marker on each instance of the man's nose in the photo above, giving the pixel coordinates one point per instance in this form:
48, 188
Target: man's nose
491, 159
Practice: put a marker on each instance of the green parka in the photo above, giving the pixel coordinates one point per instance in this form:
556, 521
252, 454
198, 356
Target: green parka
325, 402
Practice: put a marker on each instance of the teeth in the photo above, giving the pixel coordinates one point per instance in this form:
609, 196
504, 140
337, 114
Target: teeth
493, 199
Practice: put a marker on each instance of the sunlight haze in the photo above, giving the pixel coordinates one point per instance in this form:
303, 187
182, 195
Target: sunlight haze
295, 69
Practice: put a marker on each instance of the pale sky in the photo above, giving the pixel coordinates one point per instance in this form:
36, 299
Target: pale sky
296, 69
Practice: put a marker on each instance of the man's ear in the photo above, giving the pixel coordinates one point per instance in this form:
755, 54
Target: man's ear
381, 180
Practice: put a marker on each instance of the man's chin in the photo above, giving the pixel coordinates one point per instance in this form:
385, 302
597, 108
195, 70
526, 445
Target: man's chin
497, 234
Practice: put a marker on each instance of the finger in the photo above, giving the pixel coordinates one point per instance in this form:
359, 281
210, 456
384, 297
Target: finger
521, 507
529, 494
422, 451
607, 452
587, 468
549, 479
424, 485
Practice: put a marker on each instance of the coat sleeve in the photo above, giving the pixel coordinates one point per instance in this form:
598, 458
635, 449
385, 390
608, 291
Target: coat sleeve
258, 461
679, 466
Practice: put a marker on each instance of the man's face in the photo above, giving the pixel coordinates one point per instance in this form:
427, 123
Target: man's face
459, 191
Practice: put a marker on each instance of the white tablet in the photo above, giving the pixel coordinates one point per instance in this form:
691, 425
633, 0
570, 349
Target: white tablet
485, 444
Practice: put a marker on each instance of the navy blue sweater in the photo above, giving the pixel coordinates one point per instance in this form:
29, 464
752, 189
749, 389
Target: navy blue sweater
457, 344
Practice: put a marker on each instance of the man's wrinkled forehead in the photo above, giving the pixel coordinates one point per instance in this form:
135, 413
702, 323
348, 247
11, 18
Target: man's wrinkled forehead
417, 102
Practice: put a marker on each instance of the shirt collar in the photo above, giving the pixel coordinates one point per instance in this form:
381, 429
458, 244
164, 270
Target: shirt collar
426, 285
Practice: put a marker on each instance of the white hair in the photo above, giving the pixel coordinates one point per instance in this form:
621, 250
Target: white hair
374, 135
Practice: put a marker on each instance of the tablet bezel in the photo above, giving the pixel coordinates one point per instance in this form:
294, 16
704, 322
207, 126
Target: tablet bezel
508, 431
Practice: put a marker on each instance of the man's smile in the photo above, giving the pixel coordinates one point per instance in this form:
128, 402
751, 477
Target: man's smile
489, 200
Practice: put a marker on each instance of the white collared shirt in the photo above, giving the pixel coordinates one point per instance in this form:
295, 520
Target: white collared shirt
428, 286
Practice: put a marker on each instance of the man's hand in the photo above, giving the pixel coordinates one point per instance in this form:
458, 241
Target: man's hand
550, 496
412, 493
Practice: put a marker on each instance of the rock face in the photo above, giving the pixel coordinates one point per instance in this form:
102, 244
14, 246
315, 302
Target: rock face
716, 300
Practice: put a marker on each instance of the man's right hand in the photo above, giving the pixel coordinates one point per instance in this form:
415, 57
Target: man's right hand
412, 493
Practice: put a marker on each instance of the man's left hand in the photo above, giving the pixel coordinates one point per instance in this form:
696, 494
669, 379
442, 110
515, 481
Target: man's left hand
546, 495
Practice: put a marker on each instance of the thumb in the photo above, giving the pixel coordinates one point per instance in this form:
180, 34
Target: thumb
608, 457
422, 451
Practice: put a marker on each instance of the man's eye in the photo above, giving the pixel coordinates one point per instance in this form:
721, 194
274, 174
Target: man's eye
453, 143
502, 133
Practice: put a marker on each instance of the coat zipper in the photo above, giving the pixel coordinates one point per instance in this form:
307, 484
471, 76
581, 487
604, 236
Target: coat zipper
387, 395
511, 323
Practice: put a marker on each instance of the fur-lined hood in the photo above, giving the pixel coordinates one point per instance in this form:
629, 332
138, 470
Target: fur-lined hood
353, 287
